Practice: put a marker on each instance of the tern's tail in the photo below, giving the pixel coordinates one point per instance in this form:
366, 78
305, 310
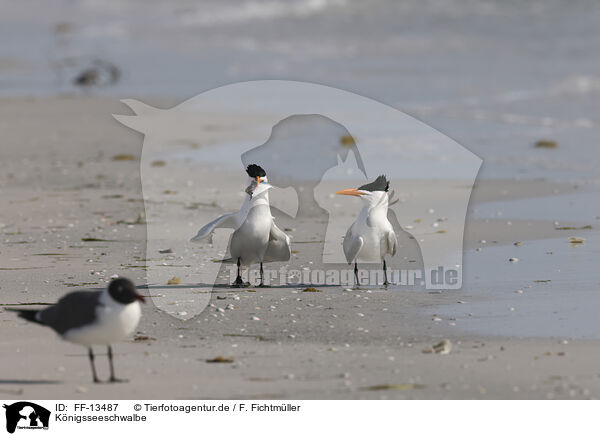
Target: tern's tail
27, 314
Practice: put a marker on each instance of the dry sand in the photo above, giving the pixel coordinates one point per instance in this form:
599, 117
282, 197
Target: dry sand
60, 185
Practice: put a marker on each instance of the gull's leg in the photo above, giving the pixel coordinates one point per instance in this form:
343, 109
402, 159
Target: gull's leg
385, 280
356, 275
238, 281
91, 356
112, 378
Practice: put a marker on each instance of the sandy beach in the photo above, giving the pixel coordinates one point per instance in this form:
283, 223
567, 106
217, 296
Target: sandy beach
73, 216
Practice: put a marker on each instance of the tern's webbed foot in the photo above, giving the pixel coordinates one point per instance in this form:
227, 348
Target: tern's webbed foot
262, 285
239, 283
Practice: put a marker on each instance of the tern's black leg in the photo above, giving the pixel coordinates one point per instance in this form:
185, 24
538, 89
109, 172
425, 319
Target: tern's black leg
238, 281
262, 282
112, 378
91, 356
356, 275
385, 281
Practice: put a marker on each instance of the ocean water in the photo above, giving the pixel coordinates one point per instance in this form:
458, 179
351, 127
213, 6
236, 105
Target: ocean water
560, 209
494, 75
551, 292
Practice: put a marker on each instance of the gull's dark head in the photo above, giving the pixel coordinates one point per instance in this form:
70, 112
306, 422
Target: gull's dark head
123, 291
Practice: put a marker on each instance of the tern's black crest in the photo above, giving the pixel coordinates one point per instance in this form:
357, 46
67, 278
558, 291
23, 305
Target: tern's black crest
255, 171
380, 184
123, 291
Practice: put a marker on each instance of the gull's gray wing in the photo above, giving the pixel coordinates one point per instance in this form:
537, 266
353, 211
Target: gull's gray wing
352, 245
74, 310
227, 221
278, 249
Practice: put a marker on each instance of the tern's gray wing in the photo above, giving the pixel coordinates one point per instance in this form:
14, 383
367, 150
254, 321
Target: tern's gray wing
227, 221
72, 311
278, 249
352, 245
392, 242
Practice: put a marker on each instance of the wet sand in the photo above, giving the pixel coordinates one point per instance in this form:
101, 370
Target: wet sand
72, 217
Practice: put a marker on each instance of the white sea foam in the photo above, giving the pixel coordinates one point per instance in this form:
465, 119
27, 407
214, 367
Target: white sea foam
247, 11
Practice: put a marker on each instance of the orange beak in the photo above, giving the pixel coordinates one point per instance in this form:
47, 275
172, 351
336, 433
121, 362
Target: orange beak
354, 192
257, 181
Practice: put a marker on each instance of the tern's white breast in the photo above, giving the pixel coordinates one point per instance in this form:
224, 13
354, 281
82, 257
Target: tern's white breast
372, 225
250, 241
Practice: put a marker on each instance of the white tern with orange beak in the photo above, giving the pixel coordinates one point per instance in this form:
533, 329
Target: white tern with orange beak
256, 238
371, 237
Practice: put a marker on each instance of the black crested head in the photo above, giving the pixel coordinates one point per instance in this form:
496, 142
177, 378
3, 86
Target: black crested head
379, 184
123, 291
255, 171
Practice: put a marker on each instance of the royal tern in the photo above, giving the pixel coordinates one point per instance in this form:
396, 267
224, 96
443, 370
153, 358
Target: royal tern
93, 318
371, 237
256, 238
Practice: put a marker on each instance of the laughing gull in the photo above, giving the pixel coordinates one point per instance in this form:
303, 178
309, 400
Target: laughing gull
256, 238
93, 318
371, 237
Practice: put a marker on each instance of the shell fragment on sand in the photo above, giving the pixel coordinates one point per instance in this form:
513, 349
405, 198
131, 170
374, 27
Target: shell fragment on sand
546, 143
586, 227
220, 359
123, 157
443, 347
